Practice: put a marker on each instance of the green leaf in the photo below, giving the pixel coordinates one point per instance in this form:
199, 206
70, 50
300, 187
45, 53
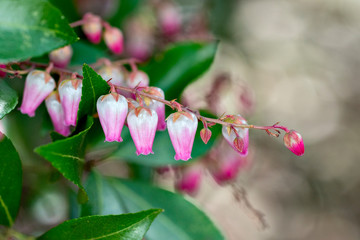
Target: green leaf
181, 219
31, 28
126, 226
8, 99
163, 149
93, 87
87, 52
179, 66
66, 155
10, 181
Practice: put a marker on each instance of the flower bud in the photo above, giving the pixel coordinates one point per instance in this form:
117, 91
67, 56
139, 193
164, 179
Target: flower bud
182, 128
70, 96
61, 57
294, 142
142, 124
38, 85
114, 39
190, 180
56, 113
2, 74
157, 106
113, 73
138, 78
170, 19
112, 109
92, 27
239, 141
205, 135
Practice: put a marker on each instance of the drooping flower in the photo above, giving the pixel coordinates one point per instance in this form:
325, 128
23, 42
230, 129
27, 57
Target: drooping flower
157, 106
138, 78
238, 140
61, 57
226, 165
38, 85
182, 128
142, 124
114, 39
190, 179
294, 142
92, 27
112, 109
56, 113
111, 72
70, 96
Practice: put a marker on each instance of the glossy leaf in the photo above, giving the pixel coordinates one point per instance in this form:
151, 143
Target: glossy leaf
179, 66
31, 28
181, 219
66, 155
93, 87
163, 150
10, 181
8, 99
125, 226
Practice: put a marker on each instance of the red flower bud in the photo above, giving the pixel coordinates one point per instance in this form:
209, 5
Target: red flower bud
205, 135
2, 74
92, 27
114, 39
294, 142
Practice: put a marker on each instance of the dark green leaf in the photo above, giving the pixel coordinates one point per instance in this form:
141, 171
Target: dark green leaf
180, 220
126, 226
86, 52
8, 99
180, 65
31, 28
163, 150
66, 155
10, 181
93, 87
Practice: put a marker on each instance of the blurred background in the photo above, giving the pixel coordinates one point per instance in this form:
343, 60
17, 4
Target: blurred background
290, 61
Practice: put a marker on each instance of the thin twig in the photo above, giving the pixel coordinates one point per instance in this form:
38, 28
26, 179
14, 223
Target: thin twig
240, 195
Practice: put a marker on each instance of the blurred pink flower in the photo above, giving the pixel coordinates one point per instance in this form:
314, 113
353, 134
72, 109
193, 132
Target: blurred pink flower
56, 113
92, 27
239, 141
114, 39
61, 57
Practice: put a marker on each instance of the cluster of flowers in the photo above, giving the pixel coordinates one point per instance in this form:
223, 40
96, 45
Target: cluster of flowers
144, 116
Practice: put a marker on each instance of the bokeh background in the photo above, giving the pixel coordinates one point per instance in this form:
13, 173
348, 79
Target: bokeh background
300, 60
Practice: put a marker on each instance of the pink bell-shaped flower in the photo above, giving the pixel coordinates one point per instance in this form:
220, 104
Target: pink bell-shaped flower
114, 39
239, 141
56, 113
182, 128
111, 72
61, 57
226, 165
190, 179
142, 124
112, 109
70, 96
157, 106
92, 27
138, 78
294, 142
38, 85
